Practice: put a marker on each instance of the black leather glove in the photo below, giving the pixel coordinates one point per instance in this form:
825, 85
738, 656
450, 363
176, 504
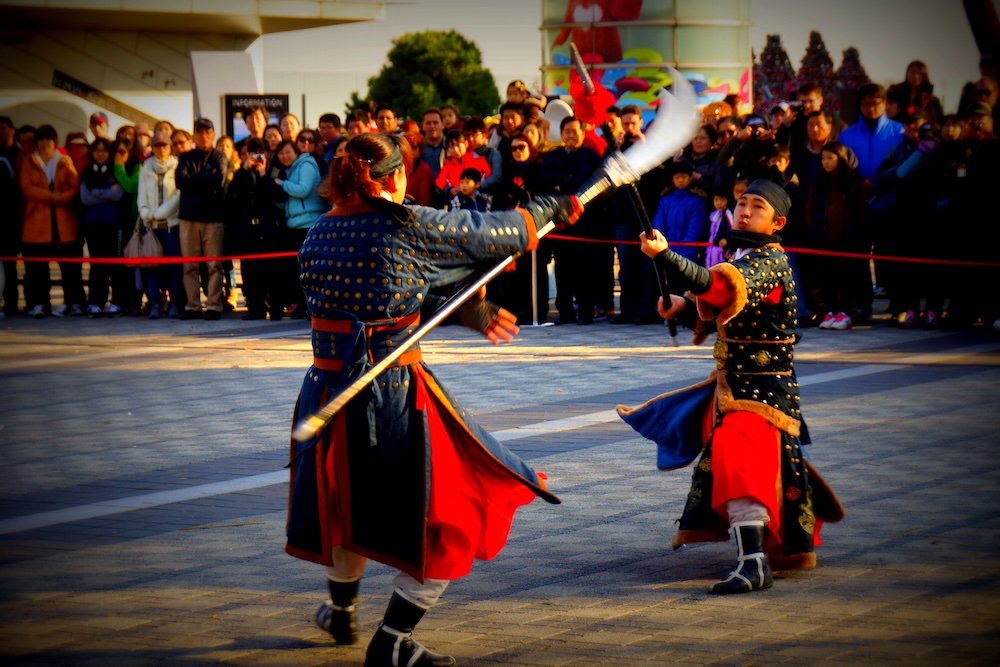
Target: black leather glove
561, 209
477, 314
682, 273
496, 323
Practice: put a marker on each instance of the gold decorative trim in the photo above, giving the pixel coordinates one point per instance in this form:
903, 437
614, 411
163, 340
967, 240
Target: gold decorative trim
727, 403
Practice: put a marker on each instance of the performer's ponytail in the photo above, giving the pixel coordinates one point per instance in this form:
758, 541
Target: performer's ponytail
369, 160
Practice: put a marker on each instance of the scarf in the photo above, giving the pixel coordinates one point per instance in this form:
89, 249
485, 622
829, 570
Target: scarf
49, 168
163, 167
741, 239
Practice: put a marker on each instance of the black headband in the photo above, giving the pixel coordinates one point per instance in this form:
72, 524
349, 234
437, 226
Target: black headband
773, 193
390, 163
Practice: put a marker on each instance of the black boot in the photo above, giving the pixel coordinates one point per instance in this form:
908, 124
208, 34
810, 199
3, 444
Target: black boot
393, 644
752, 572
337, 615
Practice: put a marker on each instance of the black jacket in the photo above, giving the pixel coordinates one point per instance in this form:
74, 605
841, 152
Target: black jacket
254, 214
201, 178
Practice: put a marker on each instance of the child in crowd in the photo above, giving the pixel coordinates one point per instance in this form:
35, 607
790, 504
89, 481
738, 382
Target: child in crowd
739, 187
832, 215
451, 117
720, 223
481, 156
468, 196
447, 181
778, 165
517, 92
682, 215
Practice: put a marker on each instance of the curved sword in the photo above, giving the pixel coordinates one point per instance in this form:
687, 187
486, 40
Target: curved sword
675, 124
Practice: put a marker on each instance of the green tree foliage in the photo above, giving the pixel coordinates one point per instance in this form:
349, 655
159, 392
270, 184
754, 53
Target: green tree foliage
432, 68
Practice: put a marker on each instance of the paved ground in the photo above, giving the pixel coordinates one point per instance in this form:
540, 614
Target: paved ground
142, 503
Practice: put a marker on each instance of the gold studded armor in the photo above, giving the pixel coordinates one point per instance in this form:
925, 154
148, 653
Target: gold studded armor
754, 348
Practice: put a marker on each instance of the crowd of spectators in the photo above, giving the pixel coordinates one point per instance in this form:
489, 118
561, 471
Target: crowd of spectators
901, 180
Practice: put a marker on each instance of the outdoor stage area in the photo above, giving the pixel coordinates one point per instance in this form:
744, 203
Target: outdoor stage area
143, 503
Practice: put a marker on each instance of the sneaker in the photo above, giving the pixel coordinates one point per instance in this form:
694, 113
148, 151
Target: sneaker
931, 320
37, 311
841, 322
996, 324
827, 321
190, 314
213, 315
93, 310
111, 310
907, 320
155, 312
76, 310
60, 311
173, 312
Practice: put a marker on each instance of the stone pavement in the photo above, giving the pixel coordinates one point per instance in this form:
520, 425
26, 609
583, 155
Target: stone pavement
142, 505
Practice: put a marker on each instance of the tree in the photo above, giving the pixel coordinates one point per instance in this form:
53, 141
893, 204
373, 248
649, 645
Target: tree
432, 68
851, 75
817, 66
773, 77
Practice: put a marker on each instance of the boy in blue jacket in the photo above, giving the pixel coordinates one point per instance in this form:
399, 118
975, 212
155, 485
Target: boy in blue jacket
682, 215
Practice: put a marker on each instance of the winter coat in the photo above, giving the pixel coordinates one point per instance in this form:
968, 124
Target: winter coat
101, 196
159, 198
683, 216
41, 200
304, 204
201, 178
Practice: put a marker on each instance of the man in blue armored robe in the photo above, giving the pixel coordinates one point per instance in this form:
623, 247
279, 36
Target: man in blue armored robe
402, 475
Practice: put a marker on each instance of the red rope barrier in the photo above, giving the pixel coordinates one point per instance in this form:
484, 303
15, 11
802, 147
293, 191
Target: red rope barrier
132, 261
809, 251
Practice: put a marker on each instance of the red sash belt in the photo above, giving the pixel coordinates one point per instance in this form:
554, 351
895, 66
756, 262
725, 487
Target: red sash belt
381, 326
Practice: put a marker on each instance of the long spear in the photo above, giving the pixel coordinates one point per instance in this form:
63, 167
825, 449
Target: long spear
675, 124
659, 266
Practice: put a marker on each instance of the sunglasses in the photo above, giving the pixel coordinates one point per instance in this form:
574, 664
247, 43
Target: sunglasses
519, 147
306, 140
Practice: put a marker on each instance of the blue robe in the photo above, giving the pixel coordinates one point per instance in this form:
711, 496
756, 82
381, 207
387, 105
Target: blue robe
403, 474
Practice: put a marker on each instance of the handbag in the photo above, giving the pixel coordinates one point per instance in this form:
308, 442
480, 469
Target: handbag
142, 244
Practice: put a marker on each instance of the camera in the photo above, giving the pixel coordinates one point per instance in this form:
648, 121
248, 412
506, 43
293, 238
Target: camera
257, 157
